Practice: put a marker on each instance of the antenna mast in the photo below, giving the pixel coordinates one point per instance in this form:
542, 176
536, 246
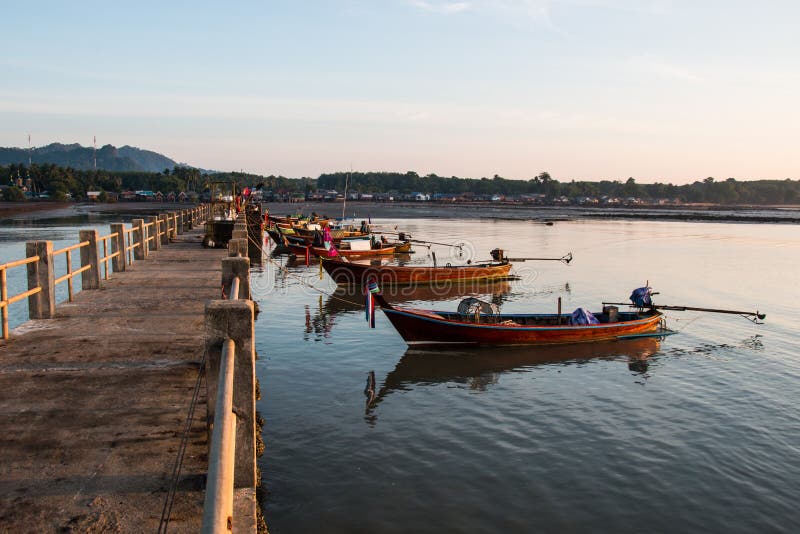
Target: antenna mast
347, 179
95, 153
30, 150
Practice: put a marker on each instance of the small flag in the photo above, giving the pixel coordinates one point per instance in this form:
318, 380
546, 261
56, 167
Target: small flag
372, 286
372, 289
370, 309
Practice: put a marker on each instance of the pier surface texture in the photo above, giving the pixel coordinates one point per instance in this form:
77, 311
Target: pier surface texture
93, 403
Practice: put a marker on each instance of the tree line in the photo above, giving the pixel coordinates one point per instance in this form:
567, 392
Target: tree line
62, 182
729, 191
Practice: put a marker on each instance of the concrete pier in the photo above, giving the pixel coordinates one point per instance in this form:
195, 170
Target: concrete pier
93, 403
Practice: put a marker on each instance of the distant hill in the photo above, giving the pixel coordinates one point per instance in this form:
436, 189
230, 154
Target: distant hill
109, 157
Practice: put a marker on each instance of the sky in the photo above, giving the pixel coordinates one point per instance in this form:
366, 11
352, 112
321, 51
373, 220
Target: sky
659, 90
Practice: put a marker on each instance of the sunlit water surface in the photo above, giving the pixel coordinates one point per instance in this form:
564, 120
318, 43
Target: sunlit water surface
698, 432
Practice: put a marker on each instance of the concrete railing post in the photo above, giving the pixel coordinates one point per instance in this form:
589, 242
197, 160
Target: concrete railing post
41, 273
234, 319
164, 218
120, 261
139, 237
173, 232
152, 232
90, 278
239, 230
233, 268
181, 221
237, 247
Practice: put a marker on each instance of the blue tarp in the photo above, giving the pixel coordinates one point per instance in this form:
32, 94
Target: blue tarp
582, 317
641, 297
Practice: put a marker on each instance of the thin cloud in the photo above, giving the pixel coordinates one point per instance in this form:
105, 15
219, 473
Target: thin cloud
513, 12
441, 7
354, 113
538, 12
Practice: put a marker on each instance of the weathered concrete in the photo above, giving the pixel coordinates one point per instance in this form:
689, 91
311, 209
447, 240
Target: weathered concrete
237, 247
165, 228
42, 305
94, 401
120, 261
234, 319
139, 236
236, 267
152, 232
90, 279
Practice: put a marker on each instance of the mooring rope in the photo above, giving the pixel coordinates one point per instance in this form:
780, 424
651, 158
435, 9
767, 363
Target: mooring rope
166, 511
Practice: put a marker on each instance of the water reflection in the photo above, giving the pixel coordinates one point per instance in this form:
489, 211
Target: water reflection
350, 299
480, 368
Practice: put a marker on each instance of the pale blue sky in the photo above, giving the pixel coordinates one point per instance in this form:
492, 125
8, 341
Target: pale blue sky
587, 89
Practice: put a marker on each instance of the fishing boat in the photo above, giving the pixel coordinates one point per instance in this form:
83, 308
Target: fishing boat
350, 249
343, 249
402, 247
344, 272
483, 325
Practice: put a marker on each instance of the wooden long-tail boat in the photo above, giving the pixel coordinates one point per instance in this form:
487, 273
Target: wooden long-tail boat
300, 250
337, 234
402, 247
430, 327
348, 273
382, 250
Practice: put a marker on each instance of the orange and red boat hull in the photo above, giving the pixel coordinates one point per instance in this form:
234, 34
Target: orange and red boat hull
422, 327
346, 273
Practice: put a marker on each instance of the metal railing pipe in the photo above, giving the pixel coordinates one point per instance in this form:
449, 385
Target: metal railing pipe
218, 506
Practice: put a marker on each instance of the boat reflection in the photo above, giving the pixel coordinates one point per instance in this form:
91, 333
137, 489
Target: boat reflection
479, 368
349, 299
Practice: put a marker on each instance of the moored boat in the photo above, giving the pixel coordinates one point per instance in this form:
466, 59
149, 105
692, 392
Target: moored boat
380, 250
349, 273
431, 327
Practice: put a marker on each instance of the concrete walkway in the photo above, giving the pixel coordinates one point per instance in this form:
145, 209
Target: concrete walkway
93, 403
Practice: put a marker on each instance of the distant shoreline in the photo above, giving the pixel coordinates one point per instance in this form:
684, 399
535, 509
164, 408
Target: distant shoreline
412, 210
493, 210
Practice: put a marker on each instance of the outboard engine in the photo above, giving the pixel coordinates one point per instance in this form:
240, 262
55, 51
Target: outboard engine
497, 254
473, 306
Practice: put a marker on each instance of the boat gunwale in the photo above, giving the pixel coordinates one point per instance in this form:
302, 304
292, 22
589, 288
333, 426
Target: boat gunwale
424, 315
417, 268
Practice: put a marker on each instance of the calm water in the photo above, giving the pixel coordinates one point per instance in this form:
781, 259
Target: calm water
63, 232
695, 433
